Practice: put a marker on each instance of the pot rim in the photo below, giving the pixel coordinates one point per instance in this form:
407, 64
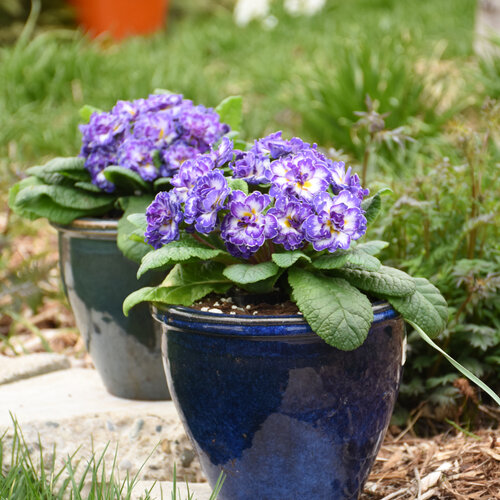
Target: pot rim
89, 227
382, 311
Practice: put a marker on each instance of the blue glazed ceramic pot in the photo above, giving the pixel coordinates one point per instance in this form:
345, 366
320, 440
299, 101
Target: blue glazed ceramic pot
97, 277
284, 415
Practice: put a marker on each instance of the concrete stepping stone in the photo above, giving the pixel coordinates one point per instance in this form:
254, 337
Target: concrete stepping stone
70, 409
31, 365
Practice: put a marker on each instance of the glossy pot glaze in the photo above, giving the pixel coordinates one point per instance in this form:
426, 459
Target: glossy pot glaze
284, 415
97, 278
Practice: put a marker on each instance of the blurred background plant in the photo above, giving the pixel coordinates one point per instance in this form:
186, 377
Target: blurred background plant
445, 225
424, 131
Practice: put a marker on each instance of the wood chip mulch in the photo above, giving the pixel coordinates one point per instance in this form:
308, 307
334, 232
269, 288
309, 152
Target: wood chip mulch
457, 467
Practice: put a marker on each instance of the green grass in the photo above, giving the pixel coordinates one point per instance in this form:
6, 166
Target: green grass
204, 56
26, 475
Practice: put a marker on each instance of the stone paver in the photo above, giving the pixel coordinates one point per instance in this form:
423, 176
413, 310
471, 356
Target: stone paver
23, 367
70, 409
67, 393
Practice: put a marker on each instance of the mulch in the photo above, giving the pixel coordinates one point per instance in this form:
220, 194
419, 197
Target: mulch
447, 466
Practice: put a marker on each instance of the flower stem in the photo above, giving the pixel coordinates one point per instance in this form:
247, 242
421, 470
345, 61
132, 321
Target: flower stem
198, 238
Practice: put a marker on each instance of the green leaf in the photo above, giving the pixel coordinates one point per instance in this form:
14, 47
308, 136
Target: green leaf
426, 307
187, 248
250, 273
68, 197
230, 111
336, 311
238, 185
456, 364
48, 177
162, 184
386, 281
126, 180
19, 186
355, 258
72, 168
88, 186
46, 207
184, 285
163, 91
372, 205
87, 111
372, 247
288, 259
138, 220
132, 249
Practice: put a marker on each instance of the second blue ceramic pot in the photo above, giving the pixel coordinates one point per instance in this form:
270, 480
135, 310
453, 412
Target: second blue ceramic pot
282, 414
97, 278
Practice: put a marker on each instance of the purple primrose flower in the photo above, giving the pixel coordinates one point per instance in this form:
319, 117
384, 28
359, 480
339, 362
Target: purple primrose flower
337, 221
224, 152
246, 227
204, 202
163, 216
164, 126
275, 146
290, 215
136, 155
189, 173
252, 167
342, 179
175, 156
302, 175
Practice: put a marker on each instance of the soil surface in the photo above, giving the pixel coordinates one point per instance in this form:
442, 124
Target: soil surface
237, 306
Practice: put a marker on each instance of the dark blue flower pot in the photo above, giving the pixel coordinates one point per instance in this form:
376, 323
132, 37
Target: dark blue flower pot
97, 277
284, 415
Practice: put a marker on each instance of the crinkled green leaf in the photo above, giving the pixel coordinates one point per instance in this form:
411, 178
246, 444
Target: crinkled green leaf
50, 177
250, 273
162, 91
185, 284
132, 249
68, 197
387, 281
238, 185
126, 180
372, 205
187, 248
138, 220
288, 259
87, 111
162, 184
426, 307
137, 235
372, 247
71, 167
88, 186
19, 186
46, 207
354, 258
339, 313
230, 111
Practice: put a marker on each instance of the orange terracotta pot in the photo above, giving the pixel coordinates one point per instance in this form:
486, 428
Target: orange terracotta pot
121, 18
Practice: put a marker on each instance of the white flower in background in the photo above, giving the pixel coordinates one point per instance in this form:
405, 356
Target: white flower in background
306, 7
248, 10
